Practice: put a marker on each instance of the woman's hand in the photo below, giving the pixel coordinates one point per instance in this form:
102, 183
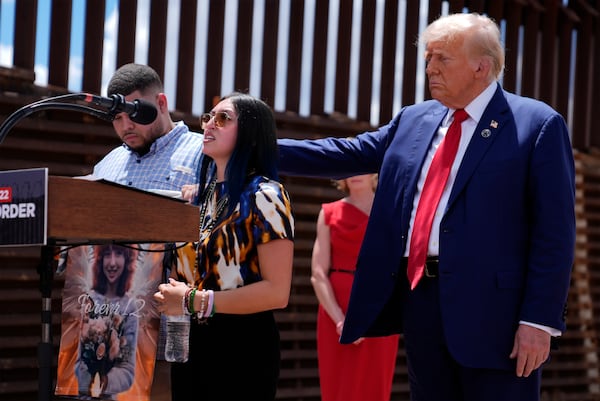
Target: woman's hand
188, 191
339, 327
170, 297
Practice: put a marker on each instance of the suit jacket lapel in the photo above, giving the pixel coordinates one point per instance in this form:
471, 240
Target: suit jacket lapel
490, 126
425, 126
426, 129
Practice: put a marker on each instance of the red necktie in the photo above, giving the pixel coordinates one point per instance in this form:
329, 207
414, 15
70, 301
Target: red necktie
430, 197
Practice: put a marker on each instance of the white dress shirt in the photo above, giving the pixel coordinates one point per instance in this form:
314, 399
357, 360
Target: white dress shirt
475, 110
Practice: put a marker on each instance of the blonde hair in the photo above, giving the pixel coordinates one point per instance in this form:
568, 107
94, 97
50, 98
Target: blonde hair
480, 34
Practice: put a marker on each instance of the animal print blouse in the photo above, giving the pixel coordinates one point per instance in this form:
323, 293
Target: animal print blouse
228, 257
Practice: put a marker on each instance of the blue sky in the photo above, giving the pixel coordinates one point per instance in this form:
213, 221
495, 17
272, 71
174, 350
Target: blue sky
109, 50
142, 37
7, 11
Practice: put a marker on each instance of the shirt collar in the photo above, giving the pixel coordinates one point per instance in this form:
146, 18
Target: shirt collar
477, 106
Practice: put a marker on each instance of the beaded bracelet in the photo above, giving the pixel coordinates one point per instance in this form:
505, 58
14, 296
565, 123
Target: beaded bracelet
202, 305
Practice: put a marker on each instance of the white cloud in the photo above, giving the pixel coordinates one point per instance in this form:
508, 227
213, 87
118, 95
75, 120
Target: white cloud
75, 73
6, 55
41, 74
172, 48
229, 47
109, 52
142, 35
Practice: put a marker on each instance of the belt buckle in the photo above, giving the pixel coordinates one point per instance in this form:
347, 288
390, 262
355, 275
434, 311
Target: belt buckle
427, 274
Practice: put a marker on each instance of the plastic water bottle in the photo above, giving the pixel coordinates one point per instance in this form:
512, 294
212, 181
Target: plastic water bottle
177, 346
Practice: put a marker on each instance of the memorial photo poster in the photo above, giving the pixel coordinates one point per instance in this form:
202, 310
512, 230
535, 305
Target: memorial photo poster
109, 322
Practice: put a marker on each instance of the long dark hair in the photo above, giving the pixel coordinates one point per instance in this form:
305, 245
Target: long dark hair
255, 151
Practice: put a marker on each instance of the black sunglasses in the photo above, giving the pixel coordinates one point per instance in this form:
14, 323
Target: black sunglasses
220, 117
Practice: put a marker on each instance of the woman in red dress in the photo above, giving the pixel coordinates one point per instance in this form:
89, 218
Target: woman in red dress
362, 371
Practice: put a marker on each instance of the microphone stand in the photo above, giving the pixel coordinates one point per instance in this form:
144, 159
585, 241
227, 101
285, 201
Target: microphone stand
51, 103
46, 266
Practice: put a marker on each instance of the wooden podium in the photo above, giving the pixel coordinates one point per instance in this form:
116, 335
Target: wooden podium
81, 211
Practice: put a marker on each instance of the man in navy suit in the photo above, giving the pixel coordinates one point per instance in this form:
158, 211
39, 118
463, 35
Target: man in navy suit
478, 324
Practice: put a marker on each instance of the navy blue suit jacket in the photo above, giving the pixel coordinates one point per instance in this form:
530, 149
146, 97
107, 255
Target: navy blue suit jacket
507, 236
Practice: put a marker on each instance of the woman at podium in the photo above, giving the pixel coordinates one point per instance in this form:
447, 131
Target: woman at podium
241, 267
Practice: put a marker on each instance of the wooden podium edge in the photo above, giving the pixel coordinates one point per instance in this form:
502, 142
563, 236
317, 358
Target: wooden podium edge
81, 211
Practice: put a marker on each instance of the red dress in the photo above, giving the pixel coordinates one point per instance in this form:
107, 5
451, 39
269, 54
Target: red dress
348, 372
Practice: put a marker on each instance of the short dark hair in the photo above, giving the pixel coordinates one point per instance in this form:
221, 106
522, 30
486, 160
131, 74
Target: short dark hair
131, 77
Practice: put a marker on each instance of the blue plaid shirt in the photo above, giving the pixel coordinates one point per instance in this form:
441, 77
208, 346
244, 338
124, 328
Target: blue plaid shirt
173, 160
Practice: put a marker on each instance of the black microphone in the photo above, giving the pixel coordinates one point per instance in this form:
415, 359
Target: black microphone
139, 111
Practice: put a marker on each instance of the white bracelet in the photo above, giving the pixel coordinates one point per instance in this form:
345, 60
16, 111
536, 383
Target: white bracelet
211, 300
202, 305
